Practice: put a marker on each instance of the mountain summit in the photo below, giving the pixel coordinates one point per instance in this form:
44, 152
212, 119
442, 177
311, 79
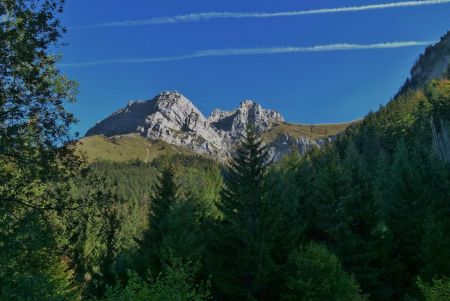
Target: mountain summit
174, 119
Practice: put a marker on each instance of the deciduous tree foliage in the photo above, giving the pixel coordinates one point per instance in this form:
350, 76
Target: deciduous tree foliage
37, 162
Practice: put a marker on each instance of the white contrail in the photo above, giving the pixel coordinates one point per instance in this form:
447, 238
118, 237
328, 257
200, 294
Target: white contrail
194, 17
251, 51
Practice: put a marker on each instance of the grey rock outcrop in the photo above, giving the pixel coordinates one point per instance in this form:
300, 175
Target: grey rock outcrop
433, 63
285, 144
233, 124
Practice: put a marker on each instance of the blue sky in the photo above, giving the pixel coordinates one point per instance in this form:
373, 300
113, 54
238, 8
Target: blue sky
305, 86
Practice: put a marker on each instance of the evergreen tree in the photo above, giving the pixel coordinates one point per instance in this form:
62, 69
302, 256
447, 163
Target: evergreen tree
31, 268
286, 192
243, 267
359, 238
316, 275
183, 236
329, 187
91, 238
388, 262
109, 229
437, 290
177, 283
435, 247
165, 197
405, 200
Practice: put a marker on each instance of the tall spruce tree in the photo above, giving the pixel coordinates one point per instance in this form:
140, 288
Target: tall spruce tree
165, 193
243, 267
435, 249
406, 210
330, 186
360, 237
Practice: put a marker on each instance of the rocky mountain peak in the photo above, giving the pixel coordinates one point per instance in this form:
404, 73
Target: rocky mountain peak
252, 112
174, 101
173, 118
246, 104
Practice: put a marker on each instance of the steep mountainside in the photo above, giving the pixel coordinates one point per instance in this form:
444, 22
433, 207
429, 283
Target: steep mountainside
172, 118
433, 63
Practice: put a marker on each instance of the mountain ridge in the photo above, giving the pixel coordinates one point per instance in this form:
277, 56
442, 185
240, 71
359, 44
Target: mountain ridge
174, 119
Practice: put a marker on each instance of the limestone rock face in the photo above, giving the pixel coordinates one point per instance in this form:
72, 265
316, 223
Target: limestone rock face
177, 121
233, 124
285, 144
124, 121
433, 63
173, 118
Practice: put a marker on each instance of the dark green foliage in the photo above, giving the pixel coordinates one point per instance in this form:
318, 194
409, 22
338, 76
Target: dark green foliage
316, 274
379, 196
182, 201
286, 197
406, 204
31, 269
177, 284
359, 239
437, 290
435, 248
245, 240
435, 245
152, 249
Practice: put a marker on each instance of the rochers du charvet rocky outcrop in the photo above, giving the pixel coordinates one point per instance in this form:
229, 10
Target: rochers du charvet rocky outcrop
173, 118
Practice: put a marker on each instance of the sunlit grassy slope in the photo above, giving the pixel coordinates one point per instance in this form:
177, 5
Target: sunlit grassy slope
133, 146
125, 148
312, 131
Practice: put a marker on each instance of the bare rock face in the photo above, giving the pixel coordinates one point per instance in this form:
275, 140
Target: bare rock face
124, 121
285, 144
433, 63
177, 121
233, 124
173, 118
